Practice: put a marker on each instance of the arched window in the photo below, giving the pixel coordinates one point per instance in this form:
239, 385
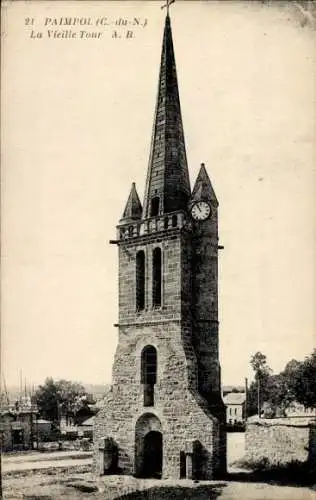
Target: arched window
157, 277
140, 280
154, 207
149, 373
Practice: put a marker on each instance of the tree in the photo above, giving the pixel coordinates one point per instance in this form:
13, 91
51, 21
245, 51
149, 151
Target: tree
308, 376
262, 375
259, 362
55, 398
275, 393
301, 380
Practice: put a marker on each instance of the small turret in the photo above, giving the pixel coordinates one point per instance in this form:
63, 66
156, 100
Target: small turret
203, 189
133, 207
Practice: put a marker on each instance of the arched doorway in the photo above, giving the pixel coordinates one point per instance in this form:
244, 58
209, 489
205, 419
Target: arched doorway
152, 464
148, 447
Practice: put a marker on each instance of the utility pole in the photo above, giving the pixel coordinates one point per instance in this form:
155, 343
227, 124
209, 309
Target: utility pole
246, 400
1, 497
258, 396
6, 390
21, 390
1, 437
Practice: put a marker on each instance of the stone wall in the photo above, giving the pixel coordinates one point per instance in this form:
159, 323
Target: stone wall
183, 415
280, 442
182, 412
312, 444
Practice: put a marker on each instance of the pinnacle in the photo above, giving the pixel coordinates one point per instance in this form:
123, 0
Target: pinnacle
133, 208
203, 189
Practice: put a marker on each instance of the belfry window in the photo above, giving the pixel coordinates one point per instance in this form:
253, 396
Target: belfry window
157, 277
140, 280
154, 208
149, 373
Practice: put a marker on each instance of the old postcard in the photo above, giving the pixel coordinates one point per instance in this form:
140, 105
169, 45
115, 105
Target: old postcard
158, 269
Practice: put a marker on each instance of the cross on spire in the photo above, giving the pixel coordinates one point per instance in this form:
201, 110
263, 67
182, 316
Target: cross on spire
169, 2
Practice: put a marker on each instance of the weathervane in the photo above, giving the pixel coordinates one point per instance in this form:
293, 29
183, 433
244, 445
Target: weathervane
169, 2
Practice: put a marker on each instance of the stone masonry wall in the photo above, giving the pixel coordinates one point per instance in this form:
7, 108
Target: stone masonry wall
181, 411
312, 444
205, 301
280, 443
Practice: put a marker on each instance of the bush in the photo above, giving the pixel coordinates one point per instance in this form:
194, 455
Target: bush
302, 473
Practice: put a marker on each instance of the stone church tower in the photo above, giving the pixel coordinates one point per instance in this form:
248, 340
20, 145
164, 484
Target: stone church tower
164, 416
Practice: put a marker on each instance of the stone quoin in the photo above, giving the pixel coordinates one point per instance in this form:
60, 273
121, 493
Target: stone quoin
164, 416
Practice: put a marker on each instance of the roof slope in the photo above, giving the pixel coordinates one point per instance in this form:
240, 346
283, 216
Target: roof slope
234, 398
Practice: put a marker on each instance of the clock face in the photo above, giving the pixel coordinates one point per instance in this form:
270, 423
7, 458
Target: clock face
201, 210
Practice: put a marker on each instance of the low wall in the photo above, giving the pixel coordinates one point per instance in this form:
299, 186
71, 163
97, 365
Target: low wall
280, 442
312, 445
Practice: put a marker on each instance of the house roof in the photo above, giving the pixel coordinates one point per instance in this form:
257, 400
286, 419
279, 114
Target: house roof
89, 421
229, 388
234, 398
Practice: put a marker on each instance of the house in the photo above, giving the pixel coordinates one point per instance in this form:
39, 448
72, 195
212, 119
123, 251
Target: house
298, 410
44, 430
17, 426
227, 389
85, 430
84, 413
235, 403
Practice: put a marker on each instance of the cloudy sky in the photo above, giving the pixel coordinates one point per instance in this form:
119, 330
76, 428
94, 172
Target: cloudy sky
76, 124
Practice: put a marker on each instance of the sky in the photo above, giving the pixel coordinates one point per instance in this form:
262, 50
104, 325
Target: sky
77, 116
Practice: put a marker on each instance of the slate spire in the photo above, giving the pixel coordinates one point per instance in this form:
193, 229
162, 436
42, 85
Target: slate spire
133, 207
167, 185
203, 189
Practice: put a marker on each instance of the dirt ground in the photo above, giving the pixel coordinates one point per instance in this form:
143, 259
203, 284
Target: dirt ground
79, 486
77, 483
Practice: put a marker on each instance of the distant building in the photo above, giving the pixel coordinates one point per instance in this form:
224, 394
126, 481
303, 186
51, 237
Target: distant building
18, 426
235, 403
85, 430
298, 410
227, 389
44, 430
85, 413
